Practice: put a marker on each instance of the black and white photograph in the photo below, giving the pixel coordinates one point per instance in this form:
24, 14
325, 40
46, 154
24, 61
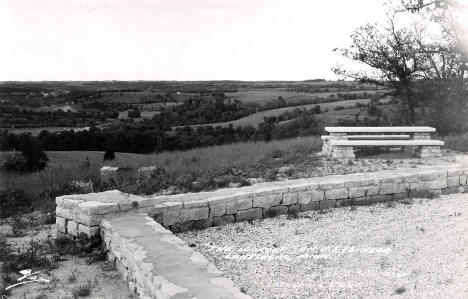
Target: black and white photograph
233, 149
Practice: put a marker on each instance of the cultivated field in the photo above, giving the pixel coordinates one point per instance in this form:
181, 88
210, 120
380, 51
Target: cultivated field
256, 118
262, 96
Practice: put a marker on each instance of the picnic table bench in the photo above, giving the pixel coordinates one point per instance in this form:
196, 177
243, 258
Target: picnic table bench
341, 141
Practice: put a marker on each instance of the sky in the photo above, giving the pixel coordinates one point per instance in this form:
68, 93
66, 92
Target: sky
177, 39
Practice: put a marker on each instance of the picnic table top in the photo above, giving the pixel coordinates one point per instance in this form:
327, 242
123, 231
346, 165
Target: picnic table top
387, 142
380, 129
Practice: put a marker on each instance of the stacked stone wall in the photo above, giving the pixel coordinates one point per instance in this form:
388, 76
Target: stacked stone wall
99, 216
77, 214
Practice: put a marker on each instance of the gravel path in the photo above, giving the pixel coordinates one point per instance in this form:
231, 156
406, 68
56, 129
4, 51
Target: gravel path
416, 250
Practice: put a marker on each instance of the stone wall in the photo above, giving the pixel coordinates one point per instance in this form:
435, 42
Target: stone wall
78, 214
90, 214
157, 264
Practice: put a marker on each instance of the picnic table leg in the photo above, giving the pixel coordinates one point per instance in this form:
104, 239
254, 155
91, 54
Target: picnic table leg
335, 136
343, 152
428, 152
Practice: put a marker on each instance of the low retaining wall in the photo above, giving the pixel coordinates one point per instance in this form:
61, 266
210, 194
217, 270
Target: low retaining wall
158, 264
89, 214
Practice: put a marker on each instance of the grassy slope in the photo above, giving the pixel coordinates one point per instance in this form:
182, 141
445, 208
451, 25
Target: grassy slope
240, 155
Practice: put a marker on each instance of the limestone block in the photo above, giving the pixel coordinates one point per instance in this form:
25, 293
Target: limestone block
463, 179
453, 181
195, 204
64, 212
72, 228
431, 175
89, 231
61, 224
454, 172
435, 184
67, 202
145, 201
314, 205
293, 209
172, 206
250, 214
262, 191
197, 213
410, 178
325, 185
172, 217
372, 190
336, 193
289, 198
337, 184
353, 183
310, 196
275, 211
368, 182
403, 187
388, 188
345, 202
217, 206
98, 208
89, 220
203, 223
238, 203
394, 179
327, 204
264, 201
356, 192
223, 220
304, 187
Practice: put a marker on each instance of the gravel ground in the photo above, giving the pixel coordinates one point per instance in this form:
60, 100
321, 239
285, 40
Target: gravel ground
416, 250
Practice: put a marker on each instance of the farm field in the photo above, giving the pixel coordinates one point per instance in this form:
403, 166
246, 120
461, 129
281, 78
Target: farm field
257, 118
262, 96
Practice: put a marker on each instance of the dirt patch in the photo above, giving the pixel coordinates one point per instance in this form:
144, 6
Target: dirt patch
71, 277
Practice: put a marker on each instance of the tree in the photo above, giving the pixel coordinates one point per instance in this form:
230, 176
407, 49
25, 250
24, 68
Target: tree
393, 58
424, 65
445, 53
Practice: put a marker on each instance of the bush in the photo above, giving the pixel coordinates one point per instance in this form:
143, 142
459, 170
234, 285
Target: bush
109, 156
338, 108
33, 157
12, 202
11, 161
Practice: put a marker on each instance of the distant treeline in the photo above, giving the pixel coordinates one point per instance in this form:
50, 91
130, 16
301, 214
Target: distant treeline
138, 138
20, 117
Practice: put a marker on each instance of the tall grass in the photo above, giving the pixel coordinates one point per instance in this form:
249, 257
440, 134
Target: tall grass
192, 170
37, 190
239, 155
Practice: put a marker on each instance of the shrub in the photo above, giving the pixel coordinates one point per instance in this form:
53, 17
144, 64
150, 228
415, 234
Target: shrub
109, 156
12, 202
11, 161
83, 289
338, 108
